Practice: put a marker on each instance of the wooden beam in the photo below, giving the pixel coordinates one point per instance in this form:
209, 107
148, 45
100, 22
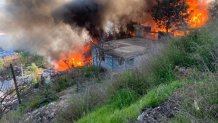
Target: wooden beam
15, 83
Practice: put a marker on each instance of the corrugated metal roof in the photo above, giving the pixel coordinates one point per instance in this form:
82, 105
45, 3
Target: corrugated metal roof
6, 53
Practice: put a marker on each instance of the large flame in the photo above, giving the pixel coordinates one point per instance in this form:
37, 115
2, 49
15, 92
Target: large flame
74, 58
198, 17
198, 13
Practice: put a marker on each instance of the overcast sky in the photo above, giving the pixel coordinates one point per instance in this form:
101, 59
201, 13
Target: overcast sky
2, 2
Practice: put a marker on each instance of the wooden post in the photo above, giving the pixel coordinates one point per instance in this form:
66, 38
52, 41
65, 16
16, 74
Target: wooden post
78, 86
15, 83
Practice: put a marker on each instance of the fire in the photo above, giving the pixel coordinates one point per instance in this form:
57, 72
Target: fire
198, 13
74, 58
198, 17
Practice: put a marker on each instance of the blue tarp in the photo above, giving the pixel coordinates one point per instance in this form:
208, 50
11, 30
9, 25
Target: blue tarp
6, 53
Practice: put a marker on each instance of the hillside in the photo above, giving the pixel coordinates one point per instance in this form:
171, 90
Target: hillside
109, 61
188, 63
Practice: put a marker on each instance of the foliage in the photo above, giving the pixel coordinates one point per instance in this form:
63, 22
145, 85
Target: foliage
201, 106
41, 98
61, 83
91, 71
34, 71
169, 13
198, 50
1, 63
46, 94
11, 117
134, 80
123, 98
27, 59
82, 103
112, 114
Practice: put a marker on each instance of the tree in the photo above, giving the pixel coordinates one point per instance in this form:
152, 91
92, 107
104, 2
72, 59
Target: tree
34, 71
170, 13
1, 63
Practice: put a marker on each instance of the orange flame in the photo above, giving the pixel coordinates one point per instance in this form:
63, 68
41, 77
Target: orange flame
72, 59
198, 13
198, 17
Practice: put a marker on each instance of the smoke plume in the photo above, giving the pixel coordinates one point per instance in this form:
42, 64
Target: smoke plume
31, 27
50, 27
95, 15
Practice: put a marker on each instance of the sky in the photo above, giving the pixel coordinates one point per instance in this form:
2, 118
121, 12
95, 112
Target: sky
2, 3
2, 37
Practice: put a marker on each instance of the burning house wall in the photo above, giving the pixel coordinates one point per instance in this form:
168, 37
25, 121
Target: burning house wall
123, 54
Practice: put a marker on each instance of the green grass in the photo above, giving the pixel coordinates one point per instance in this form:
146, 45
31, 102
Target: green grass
201, 106
61, 84
154, 85
113, 113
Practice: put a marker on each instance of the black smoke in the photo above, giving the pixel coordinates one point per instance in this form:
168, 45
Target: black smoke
50, 27
84, 13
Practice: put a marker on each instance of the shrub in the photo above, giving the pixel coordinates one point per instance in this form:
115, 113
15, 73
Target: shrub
113, 113
201, 105
123, 98
135, 81
82, 103
91, 71
198, 50
62, 83
11, 117
35, 102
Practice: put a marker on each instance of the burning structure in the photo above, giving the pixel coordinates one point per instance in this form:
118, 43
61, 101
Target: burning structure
123, 54
63, 29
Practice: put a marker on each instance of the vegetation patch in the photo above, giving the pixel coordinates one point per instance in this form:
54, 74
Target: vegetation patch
198, 51
199, 103
112, 113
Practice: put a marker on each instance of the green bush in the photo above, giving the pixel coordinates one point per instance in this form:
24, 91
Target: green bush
35, 102
134, 80
62, 83
162, 70
82, 103
11, 117
197, 50
201, 105
48, 95
117, 113
123, 98
91, 72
